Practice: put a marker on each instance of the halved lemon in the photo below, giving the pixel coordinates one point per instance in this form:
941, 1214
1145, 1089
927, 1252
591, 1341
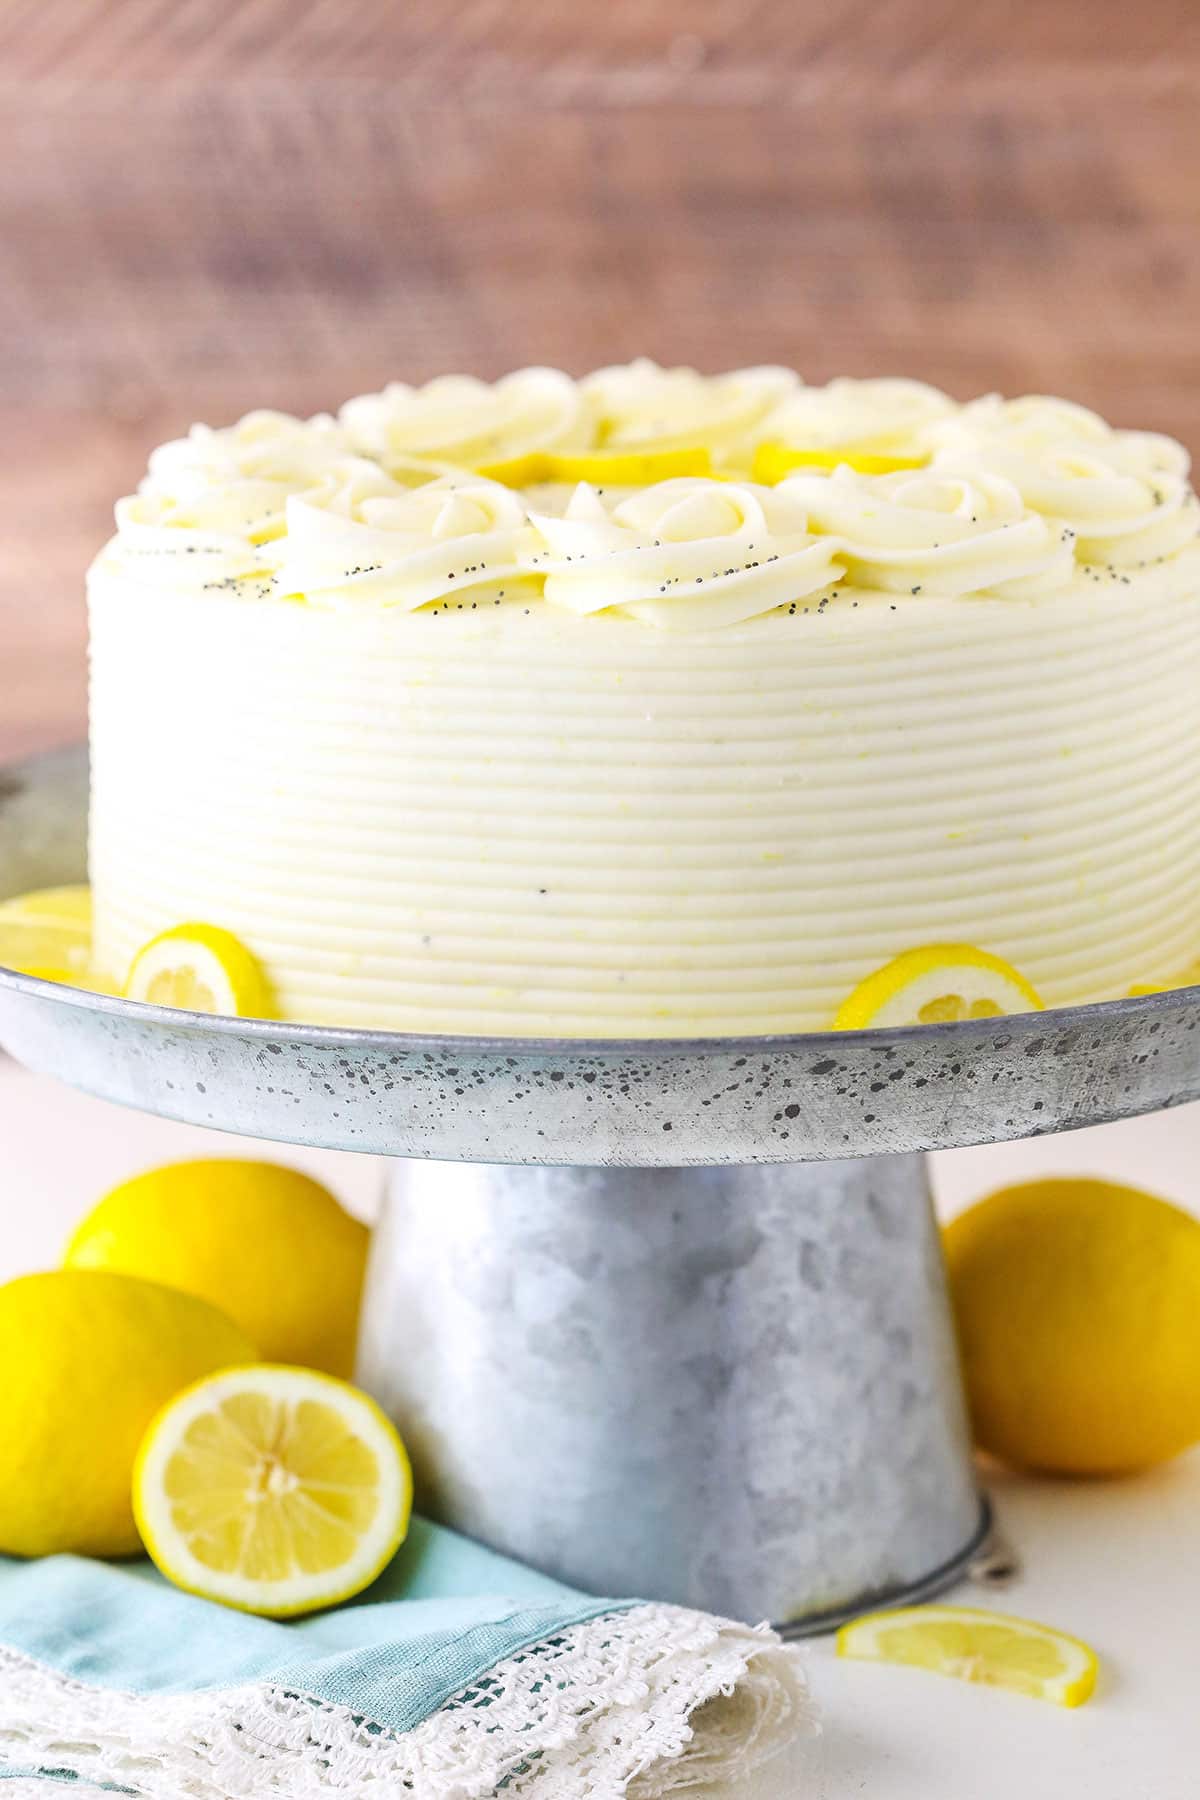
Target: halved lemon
49, 929
274, 1490
773, 461
619, 468
976, 1645
202, 969
934, 984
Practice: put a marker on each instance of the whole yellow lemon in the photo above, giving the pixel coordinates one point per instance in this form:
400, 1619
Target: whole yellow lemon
86, 1361
268, 1245
1078, 1312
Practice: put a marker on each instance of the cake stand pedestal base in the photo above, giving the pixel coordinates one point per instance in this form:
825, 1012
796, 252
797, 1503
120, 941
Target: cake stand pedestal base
733, 1388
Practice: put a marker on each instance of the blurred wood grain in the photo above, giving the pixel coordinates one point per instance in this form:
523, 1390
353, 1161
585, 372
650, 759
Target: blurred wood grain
206, 207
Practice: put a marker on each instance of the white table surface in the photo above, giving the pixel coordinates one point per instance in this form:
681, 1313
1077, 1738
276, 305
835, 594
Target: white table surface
1118, 1563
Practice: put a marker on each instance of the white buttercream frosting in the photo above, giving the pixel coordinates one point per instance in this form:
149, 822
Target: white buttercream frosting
694, 757
194, 532
1125, 494
263, 446
884, 416
1003, 496
682, 553
457, 536
469, 422
514, 819
640, 406
933, 531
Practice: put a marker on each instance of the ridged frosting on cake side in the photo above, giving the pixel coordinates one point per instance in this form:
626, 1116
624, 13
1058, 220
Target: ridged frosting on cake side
459, 732
515, 820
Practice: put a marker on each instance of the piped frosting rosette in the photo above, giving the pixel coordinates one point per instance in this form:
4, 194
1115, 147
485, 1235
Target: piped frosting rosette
470, 423
884, 484
640, 406
682, 554
886, 419
264, 446
193, 534
929, 531
212, 503
459, 539
1125, 494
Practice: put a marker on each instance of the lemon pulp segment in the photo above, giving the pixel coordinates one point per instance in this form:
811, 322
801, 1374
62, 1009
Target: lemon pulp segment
935, 984
973, 1644
200, 968
275, 1490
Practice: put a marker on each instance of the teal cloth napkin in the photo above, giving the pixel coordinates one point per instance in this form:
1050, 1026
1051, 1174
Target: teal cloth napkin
459, 1674
446, 1610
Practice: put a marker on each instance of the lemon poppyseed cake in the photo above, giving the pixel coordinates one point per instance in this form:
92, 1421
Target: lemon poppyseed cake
653, 703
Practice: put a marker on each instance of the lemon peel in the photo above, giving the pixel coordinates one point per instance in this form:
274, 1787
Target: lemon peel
200, 968
267, 1244
1075, 1301
973, 1644
273, 1490
87, 1358
935, 984
48, 933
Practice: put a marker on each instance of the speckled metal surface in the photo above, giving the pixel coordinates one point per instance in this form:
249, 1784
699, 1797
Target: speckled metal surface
727, 1388
647, 1104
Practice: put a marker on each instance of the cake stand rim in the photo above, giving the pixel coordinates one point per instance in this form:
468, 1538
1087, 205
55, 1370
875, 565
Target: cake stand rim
1087, 1016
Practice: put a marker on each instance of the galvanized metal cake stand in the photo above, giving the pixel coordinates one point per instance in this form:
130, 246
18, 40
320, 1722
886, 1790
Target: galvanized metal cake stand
665, 1318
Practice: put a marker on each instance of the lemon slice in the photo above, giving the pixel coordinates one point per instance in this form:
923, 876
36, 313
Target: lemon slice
619, 468
49, 929
271, 1489
57, 905
974, 1645
1189, 977
203, 969
87, 979
934, 984
773, 461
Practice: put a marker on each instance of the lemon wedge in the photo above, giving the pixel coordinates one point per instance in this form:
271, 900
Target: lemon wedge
619, 468
773, 461
50, 930
934, 984
271, 1489
202, 969
975, 1645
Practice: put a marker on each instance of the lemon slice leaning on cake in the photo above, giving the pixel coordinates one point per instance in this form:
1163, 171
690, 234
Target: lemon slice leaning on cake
48, 933
200, 968
273, 1490
934, 985
1189, 977
976, 1645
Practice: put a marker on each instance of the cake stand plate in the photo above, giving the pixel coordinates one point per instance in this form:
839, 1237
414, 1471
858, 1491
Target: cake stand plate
664, 1317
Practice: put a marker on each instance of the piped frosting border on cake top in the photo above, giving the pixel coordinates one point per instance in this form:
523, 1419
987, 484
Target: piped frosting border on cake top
678, 499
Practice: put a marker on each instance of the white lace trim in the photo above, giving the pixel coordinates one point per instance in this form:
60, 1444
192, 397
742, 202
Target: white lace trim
630, 1706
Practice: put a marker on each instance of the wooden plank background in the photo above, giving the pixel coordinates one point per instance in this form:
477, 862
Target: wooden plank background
206, 207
